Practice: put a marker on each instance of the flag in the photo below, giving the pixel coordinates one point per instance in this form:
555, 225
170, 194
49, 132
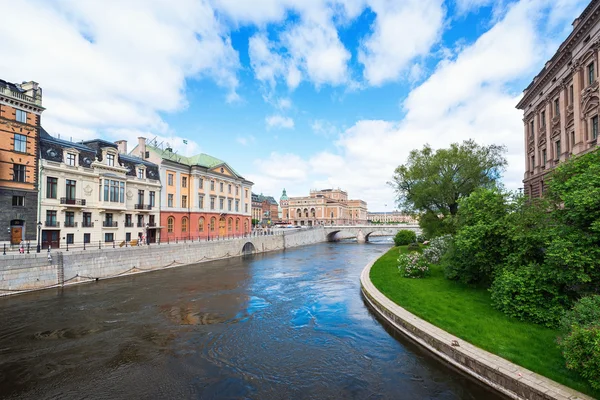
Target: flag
184, 141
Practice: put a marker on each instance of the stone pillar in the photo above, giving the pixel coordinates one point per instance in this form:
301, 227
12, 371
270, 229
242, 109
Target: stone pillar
360, 237
579, 123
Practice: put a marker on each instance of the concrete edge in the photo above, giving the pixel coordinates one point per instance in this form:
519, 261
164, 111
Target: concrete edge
500, 374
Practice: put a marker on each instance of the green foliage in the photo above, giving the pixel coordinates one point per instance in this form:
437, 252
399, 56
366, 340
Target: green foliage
413, 247
586, 312
412, 265
421, 238
437, 248
434, 225
581, 349
404, 237
432, 182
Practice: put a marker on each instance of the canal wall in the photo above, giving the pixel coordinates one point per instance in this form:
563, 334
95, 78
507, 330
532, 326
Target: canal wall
26, 272
510, 379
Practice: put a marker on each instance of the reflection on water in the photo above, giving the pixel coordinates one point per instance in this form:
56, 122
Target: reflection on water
280, 326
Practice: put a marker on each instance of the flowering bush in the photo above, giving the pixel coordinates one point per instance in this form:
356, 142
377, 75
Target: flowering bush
413, 265
437, 248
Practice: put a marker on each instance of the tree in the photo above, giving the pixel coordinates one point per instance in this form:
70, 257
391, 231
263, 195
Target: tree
432, 182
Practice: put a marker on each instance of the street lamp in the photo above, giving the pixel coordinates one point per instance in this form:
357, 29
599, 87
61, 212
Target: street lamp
147, 234
39, 226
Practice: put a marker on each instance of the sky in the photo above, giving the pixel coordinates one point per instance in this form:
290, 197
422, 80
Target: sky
294, 94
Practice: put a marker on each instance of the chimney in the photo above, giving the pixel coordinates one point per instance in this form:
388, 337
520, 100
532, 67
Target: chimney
142, 146
32, 90
122, 145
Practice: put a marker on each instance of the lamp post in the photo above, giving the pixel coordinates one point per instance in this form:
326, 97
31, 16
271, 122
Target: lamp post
147, 234
39, 226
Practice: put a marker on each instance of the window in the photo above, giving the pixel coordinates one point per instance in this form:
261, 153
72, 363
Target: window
246, 193
543, 119
184, 201
544, 157
128, 237
18, 173
237, 225
201, 202
87, 238
229, 205
170, 223
237, 191
201, 183
591, 73
20, 143
246, 208
557, 147
170, 179
21, 116
109, 237
114, 191
530, 129
222, 170
128, 222
221, 186
87, 220
184, 181
201, 224
532, 163
212, 185
170, 200
212, 224
595, 127
18, 201
184, 224
572, 140
152, 199
108, 219
230, 224
140, 197
141, 173
70, 238
237, 205
110, 160
212, 203
556, 107
229, 188
51, 187
221, 203
50, 218
69, 219
571, 94
70, 189
70, 159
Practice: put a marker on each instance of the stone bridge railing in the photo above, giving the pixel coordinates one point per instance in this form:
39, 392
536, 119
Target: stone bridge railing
362, 232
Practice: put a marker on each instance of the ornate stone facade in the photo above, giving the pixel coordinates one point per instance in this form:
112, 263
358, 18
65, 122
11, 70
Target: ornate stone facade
561, 105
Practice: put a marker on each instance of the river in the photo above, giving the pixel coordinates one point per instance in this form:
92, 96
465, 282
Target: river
285, 325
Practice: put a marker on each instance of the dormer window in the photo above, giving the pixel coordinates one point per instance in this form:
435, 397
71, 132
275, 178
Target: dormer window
110, 160
140, 173
70, 159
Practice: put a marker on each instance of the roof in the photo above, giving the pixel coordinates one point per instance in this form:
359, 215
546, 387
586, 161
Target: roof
44, 135
12, 86
202, 160
135, 160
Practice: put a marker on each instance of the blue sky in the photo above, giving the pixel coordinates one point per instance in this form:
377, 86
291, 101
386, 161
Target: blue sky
298, 94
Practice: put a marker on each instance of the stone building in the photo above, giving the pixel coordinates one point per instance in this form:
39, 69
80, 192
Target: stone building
323, 207
20, 113
202, 196
265, 209
560, 106
94, 192
392, 217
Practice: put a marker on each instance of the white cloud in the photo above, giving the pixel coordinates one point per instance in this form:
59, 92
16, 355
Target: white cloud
324, 128
245, 140
279, 121
100, 71
402, 31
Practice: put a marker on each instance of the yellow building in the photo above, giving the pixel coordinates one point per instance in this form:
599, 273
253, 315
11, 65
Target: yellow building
323, 207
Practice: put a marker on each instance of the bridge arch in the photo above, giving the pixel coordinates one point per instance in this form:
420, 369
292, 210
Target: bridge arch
248, 249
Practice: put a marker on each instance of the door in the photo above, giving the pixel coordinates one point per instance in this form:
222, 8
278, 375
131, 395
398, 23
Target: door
152, 235
222, 227
16, 234
51, 238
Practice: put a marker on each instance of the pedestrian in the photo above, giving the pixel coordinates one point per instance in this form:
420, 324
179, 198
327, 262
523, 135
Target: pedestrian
22, 247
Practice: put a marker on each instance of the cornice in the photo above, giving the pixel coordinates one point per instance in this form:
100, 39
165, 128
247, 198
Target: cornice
13, 102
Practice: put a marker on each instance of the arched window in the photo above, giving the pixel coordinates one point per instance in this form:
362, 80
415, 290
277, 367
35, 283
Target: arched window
201, 224
212, 224
237, 225
299, 213
245, 226
170, 224
184, 224
230, 224
313, 213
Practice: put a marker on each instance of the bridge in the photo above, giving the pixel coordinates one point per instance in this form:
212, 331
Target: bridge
362, 232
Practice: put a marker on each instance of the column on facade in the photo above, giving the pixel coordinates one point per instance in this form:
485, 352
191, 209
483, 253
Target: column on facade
564, 140
578, 122
548, 108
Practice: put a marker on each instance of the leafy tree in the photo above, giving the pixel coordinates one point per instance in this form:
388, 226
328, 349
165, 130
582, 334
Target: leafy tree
405, 237
432, 182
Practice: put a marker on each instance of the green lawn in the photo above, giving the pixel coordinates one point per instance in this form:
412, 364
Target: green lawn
467, 313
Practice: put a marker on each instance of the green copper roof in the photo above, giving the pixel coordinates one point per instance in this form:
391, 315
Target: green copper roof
202, 160
284, 195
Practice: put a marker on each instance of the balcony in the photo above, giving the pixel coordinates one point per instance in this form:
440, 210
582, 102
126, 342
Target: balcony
6, 90
110, 224
72, 202
151, 224
141, 225
87, 224
70, 224
128, 224
143, 207
52, 224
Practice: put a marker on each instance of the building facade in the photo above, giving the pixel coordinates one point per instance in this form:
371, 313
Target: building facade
20, 119
561, 105
323, 207
265, 210
393, 217
94, 193
202, 196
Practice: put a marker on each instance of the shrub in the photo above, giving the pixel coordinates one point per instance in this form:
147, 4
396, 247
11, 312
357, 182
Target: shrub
437, 248
581, 349
413, 247
405, 237
421, 238
586, 312
412, 265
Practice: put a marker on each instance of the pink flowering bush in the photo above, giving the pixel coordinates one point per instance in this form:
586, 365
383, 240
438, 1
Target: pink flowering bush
413, 265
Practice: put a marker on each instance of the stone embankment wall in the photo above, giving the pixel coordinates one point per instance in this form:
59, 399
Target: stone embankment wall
510, 379
26, 272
